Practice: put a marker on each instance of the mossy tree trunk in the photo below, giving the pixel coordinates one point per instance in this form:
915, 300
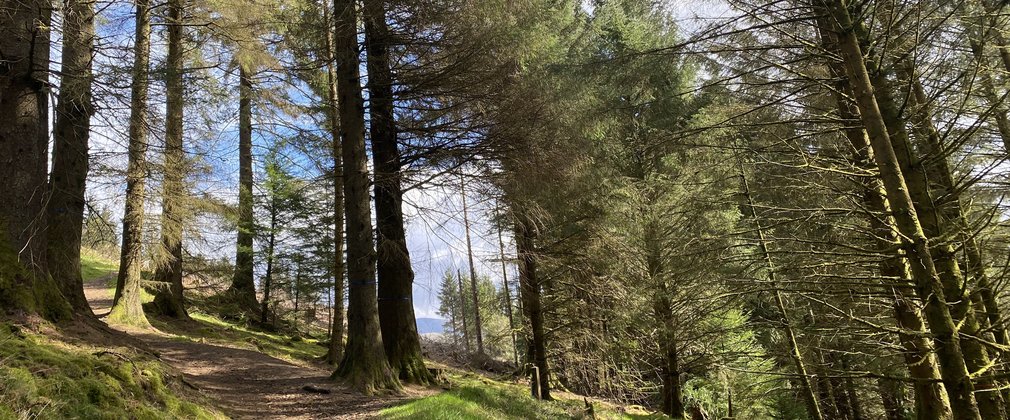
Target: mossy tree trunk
395, 275
126, 307
169, 297
530, 293
931, 290
364, 365
243, 286
930, 394
935, 227
952, 223
25, 286
68, 179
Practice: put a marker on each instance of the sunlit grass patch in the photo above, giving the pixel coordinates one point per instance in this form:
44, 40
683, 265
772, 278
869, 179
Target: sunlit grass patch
95, 265
210, 328
476, 397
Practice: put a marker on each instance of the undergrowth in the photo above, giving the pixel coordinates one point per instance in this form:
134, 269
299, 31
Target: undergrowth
476, 397
215, 330
44, 378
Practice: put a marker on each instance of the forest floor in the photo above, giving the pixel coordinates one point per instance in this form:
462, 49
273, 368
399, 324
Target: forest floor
245, 382
249, 373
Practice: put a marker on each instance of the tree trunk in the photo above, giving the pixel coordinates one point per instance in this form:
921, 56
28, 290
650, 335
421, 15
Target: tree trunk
462, 310
69, 175
971, 307
529, 286
25, 285
855, 405
809, 396
508, 296
929, 287
395, 275
127, 303
335, 351
825, 394
473, 272
243, 286
364, 365
168, 299
269, 275
930, 395
672, 393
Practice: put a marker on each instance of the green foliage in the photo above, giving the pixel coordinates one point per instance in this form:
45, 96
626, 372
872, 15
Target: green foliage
99, 232
40, 378
478, 398
494, 319
295, 236
740, 362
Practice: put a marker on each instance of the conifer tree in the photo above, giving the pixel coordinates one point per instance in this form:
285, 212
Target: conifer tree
364, 364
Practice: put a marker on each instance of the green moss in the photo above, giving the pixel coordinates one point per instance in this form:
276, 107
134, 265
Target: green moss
95, 265
475, 397
22, 289
45, 379
12, 295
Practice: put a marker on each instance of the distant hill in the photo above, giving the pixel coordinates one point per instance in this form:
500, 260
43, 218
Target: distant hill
429, 325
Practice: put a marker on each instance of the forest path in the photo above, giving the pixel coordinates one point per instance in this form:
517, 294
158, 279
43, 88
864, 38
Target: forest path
250, 384
100, 294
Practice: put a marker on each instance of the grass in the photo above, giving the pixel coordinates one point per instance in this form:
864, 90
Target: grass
95, 265
475, 397
49, 379
212, 329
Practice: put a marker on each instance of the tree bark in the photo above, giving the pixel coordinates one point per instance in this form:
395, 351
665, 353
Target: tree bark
973, 304
508, 296
672, 393
930, 395
364, 365
126, 306
473, 272
68, 179
462, 310
169, 299
930, 289
25, 285
269, 275
855, 405
529, 286
395, 275
243, 286
335, 350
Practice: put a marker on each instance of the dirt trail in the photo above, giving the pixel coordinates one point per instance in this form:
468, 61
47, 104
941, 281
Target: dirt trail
100, 294
250, 384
